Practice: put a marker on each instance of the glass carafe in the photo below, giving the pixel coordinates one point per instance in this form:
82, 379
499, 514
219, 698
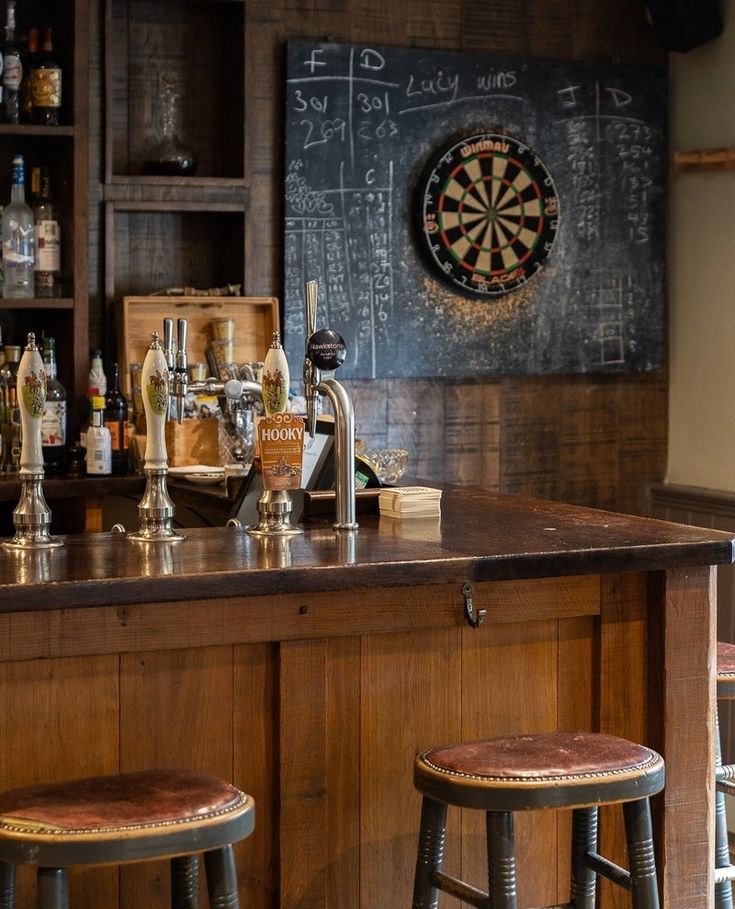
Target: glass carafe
171, 157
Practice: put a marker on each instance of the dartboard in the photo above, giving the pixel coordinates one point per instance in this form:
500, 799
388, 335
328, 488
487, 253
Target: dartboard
489, 214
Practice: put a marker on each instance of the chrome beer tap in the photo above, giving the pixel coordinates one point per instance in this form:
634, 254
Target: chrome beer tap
181, 374
156, 510
325, 349
31, 516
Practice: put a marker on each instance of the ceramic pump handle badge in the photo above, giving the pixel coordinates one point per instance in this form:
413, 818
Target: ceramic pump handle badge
276, 378
326, 349
31, 398
156, 387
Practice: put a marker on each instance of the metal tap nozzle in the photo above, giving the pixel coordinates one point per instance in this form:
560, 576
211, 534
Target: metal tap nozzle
181, 374
168, 343
312, 376
325, 349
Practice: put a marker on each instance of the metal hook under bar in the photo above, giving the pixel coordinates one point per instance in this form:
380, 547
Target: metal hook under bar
474, 621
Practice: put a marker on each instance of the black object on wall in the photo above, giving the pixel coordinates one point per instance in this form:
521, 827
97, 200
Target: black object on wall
363, 124
684, 24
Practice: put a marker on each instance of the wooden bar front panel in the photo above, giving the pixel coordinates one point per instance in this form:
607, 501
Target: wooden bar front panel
322, 729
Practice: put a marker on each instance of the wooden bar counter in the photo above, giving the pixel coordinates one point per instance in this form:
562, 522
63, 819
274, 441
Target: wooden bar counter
310, 670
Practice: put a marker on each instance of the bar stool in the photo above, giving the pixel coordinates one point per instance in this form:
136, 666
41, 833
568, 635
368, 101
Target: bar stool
525, 772
724, 776
110, 820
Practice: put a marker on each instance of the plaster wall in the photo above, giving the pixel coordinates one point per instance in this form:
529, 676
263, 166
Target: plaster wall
701, 269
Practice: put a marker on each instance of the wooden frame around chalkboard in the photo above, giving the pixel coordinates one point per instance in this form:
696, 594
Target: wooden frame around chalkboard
256, 318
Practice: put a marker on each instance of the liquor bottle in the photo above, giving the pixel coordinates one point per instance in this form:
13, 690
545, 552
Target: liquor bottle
116, 420
12, 69
11, 415
48, 235
18, 238
46, 83
53, 419
99, 451
97, 377
29, 61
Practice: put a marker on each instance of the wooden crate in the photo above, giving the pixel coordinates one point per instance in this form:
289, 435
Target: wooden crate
256, 318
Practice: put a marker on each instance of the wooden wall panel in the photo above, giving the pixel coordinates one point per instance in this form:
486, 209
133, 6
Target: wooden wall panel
622, 707
395, 673
524, 659
176, 710
255, 768
70, 702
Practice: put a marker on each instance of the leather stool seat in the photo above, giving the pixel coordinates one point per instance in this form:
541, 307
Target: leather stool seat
725, 669
547, 770
125, 818
578, 770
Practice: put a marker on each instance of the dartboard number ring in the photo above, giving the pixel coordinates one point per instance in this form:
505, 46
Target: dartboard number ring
489, 214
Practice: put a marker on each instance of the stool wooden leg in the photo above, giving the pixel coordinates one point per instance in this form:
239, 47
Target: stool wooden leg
584, 840
52, 888
185, 882
501, 860
430, 853
642, 863
221, 878
7, 885
723, 891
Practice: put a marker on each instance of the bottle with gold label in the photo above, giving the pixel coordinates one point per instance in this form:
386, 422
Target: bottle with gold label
46, 84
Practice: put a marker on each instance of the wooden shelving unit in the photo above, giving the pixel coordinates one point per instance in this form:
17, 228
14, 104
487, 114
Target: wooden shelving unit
65, 148
168, 231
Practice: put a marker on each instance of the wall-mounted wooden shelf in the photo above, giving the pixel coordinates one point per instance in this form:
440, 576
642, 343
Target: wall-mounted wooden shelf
705, 159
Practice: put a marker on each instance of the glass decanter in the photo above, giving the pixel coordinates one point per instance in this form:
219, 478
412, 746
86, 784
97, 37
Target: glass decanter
171, 157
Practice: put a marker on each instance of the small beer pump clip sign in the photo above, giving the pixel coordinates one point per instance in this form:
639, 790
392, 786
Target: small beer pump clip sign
280, 434
281, 438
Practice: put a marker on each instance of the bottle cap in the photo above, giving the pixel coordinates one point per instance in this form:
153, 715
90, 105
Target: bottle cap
98, 402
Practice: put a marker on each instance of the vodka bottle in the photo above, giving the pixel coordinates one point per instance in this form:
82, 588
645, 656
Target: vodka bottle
19, 242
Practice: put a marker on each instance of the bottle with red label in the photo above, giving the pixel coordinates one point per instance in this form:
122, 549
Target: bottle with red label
116, 420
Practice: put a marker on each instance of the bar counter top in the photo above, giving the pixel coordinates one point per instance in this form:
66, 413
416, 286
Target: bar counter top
310, 670
480, 537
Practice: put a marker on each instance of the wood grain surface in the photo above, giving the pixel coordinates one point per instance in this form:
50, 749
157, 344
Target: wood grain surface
312, 684
584, 440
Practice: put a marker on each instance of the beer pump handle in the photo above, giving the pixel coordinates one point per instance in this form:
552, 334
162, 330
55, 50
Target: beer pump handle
31, 387
156, 387
311, 373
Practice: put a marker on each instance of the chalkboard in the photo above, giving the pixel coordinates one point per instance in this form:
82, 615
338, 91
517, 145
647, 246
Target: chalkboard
362, 125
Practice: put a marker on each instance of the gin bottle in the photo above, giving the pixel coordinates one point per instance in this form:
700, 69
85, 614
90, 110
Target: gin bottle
19, 242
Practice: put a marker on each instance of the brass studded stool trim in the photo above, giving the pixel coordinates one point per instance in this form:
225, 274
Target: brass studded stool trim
526, 772
724, 775
126, 818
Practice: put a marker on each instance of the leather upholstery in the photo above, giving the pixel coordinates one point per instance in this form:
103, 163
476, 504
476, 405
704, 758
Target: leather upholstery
551, 756
129, 801
725, 661
554, 769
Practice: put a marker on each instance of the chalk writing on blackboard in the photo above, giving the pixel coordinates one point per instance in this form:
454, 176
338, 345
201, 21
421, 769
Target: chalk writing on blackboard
362, 124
